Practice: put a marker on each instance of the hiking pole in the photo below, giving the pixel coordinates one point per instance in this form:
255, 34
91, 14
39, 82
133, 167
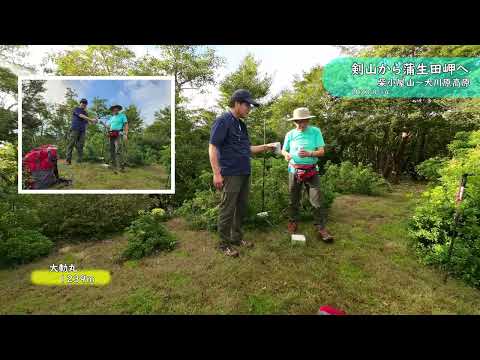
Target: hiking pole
456, 217
105, 140
264, 164
103, 126
263, 213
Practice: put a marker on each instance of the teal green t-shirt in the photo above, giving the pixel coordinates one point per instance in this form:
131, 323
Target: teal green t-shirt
116, 122
310, 140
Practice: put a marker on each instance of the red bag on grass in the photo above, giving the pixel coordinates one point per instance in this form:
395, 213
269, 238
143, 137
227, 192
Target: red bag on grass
41, 164
328, 310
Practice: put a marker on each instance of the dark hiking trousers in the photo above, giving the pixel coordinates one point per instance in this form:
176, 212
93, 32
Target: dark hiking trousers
116, 152
314, 195
233, 207
76, 138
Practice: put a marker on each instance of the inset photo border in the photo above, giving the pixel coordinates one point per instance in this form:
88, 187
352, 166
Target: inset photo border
21, 189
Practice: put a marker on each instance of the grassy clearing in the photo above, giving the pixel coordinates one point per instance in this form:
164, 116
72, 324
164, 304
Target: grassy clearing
368, 270
95, 176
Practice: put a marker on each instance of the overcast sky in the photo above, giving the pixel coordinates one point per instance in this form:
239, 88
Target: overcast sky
281, 61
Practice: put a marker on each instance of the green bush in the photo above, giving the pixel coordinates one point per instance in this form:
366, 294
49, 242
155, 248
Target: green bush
276, 191
17, 212
432, 226
20, 242
347, 178
96, 146
201, 211
22, 246
135, 156
8, 164
147, 235
463, 142
76, 216
430, 168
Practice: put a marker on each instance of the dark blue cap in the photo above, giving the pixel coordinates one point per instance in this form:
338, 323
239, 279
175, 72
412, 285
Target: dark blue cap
119, 107
242, 95
83, 101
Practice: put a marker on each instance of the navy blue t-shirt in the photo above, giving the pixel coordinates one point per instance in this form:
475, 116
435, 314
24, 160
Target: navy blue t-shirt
230, 136
77, 122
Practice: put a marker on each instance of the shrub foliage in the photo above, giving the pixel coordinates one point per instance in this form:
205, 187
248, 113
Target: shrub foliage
432, 226
202, 210
147, 235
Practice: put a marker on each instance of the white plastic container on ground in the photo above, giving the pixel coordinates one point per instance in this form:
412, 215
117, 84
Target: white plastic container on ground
299, 239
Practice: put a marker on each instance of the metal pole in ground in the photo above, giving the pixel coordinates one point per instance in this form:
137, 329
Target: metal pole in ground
459, 199
264, 164
104, 141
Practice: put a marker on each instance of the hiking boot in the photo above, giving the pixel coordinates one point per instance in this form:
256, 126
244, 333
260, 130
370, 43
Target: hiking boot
324, 235
228, 250
292, 227
245, 243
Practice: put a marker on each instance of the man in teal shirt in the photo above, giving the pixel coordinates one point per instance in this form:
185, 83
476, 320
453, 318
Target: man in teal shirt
302, 148
117, 123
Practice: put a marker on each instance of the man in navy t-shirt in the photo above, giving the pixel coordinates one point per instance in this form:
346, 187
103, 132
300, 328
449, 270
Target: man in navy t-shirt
230, 152
80, 121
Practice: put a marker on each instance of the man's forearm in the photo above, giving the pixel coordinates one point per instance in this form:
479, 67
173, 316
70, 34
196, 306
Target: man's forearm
212, 153
255, 149
86, 118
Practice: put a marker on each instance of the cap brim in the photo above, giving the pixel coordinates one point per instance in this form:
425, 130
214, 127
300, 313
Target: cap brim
305, 118
252, 102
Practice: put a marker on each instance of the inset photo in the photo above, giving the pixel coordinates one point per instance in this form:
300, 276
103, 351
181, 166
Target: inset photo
97, 135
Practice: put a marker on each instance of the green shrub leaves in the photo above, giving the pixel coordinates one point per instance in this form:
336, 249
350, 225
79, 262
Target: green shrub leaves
147, 235
432, 227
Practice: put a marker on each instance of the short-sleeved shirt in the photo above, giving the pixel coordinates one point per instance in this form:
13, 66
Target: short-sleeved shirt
77, 122
230, 136
116, 122
310, 139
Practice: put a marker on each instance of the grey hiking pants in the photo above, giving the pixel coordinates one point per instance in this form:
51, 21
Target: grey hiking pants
76, 138
314, 195
233, 207
116, 152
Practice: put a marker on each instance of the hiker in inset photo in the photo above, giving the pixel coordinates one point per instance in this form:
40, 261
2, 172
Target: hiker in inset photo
78, 128
229, 151
118, 135
302, 148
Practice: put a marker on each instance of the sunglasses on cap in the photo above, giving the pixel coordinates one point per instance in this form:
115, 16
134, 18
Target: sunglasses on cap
251, 106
